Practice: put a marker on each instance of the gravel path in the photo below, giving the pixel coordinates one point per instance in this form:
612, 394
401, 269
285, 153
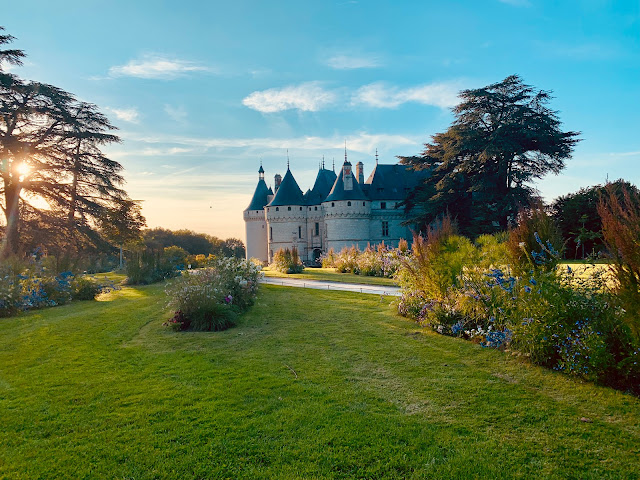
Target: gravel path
347, 287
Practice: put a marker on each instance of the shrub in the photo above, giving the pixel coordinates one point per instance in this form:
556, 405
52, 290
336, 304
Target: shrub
287, 261
329, 259
83, 288
525, 246
621, 233
146, 267
210, 299
347, 260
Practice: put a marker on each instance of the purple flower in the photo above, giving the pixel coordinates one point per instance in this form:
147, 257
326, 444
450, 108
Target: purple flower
228, 299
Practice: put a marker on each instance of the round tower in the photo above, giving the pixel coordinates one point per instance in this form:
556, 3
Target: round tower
347, 212
286, 217
255, 221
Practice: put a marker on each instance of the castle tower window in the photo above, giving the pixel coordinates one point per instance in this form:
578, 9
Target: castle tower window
363, 204
299, 232
333, 204
300, 208
317, 229
277, 209
271, 234
383, 205
289, 209
348, 204
385, 229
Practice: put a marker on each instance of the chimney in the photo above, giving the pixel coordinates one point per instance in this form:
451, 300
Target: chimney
360, 172
347, 176
277, 180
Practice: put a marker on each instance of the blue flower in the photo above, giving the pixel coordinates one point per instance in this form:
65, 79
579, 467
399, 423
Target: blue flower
527, 288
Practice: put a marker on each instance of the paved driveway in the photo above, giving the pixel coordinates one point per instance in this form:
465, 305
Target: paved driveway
347, 287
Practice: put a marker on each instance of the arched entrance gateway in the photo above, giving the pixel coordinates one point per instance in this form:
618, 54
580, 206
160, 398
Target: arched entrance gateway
317, 253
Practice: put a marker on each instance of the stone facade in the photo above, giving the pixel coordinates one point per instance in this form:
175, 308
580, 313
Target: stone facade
339, 211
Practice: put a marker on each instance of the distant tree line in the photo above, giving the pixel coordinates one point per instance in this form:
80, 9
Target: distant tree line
193, 243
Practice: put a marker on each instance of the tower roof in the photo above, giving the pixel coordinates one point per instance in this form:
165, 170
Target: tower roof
259, 199
339, 193
321, 188
392, 182
288, 193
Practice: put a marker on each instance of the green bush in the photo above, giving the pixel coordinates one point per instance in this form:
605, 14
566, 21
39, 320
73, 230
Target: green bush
287, 261
211, 298
83, 288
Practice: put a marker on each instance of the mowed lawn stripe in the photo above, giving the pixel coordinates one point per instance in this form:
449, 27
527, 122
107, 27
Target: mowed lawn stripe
310, 384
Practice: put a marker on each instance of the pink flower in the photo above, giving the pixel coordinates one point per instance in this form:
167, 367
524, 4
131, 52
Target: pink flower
228, 299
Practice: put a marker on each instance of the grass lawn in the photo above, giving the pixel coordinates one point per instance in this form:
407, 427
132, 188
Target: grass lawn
330, 275
310, 384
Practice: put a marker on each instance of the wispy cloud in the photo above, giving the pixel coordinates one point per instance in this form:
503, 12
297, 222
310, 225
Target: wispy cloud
349, 62
177, 114
130, 115
363, 142
381, 95
307, 97
156, 67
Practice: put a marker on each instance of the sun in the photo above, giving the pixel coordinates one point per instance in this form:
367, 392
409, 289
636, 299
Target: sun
23, 169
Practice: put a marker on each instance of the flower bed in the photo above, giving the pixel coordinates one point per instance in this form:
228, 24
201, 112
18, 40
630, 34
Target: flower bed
211, 298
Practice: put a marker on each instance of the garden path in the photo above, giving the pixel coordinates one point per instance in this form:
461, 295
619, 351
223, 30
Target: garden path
323, 285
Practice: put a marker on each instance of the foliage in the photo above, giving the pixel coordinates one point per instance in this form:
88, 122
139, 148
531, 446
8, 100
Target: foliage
379, 261
577, 217
526, 239
194, 243
210, 299
287, 261
31, 286
553, 317
503, 137
621, 233
146, 266
50, 146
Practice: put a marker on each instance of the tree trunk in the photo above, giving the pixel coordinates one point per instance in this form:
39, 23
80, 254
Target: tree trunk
11, 239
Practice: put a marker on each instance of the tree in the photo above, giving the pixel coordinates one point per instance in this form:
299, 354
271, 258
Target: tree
503, 137
50, 151
578, 218
10, 56
121, 224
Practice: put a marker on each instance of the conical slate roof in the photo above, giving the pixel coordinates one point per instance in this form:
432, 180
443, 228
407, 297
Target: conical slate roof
259, 199
321, 188
339, 193
288, 193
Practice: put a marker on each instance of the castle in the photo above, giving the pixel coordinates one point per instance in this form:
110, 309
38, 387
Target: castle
339, 211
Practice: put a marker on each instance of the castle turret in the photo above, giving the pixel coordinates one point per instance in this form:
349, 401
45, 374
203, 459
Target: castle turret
346, 212
286, 218
255, 222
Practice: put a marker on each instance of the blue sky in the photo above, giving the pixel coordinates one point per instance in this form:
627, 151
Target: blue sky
203, 91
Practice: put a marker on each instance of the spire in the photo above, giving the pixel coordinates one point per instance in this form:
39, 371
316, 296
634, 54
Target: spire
287, 159
322, 162
334, 164
345, 151
376, 156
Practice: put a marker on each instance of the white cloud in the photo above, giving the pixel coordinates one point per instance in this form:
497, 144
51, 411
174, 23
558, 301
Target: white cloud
348, 62
157, 67
380, 95
307, 97
130, 115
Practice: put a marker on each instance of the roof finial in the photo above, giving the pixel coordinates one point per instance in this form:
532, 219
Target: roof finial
345, 151
322, 162
376, 156
287, 159
334, 164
